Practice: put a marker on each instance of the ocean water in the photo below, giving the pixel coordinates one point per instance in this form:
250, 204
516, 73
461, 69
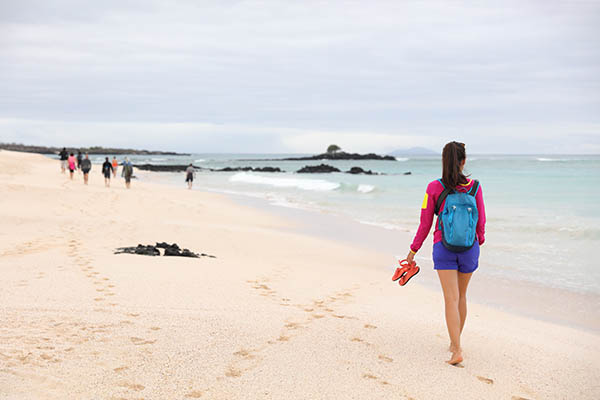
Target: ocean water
542, 219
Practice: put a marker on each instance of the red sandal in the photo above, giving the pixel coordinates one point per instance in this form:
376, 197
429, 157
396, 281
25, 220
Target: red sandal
404, 267
411, 272
405, 272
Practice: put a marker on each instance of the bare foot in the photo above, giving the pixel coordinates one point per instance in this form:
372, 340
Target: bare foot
456, 357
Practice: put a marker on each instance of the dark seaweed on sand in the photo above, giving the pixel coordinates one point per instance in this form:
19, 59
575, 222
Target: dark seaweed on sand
172, 250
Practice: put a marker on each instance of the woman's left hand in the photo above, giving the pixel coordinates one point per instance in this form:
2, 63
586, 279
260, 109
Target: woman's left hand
410, 258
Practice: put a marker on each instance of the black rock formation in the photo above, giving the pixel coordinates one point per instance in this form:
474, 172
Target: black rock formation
359, 170
318, 169
182, 168
139, 249
341, 155
408, 173
168, 250
254, 169
90, 150
162, 168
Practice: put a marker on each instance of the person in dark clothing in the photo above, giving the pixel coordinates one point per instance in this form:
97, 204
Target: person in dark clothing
86, 166
64, 156
107, 168
190, 171
79, 158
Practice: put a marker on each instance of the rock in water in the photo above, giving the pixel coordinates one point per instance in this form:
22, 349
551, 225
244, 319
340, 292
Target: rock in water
359, 170
317, 169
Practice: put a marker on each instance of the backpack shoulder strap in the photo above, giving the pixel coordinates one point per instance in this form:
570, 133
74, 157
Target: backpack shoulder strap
442, 197
475, 188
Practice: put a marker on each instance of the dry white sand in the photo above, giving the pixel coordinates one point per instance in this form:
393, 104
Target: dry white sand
277, 315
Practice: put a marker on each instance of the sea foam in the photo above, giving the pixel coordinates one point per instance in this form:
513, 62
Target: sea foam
365, 188
304, 184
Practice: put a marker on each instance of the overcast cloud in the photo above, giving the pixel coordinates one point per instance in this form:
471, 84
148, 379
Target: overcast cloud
294, 76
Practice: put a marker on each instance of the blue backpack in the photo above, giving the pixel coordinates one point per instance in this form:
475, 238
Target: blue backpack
459, 218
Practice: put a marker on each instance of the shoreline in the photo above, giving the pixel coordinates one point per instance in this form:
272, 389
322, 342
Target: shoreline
550, 304
275, 308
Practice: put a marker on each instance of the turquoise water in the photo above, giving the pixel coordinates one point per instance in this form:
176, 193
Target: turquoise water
541, 221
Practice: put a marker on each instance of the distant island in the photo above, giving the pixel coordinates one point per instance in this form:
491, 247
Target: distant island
90, 150
342, 155
334, 153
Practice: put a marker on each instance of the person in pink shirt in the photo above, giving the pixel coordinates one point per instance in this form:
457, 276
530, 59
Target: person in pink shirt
72, 164
454, 268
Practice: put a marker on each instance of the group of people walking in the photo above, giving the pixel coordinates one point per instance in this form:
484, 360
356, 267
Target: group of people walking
83, 163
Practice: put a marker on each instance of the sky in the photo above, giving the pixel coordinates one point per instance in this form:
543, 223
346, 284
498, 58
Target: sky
285, 76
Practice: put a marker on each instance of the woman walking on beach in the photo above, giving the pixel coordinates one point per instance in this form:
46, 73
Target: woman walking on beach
115, 165
72, 165
107, 168
86, 166
459, 231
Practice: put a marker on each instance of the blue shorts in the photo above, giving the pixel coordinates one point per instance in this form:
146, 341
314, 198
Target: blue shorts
465, 262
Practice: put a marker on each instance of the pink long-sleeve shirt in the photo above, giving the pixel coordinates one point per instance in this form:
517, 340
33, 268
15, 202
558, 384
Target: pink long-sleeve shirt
433, 192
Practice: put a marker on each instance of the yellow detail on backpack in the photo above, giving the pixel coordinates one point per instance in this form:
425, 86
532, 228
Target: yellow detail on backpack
424, 205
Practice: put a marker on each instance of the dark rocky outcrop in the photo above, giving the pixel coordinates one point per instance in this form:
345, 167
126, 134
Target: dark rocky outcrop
172, 250
253, 169
317, 169
89, 150
408, 173
162, 168
359, 170
182, 168
340, 155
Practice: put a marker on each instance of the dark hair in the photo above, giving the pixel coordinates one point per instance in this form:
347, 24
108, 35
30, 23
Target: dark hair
71, 153
452, 157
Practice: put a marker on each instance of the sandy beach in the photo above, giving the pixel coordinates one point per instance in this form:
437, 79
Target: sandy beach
278, 314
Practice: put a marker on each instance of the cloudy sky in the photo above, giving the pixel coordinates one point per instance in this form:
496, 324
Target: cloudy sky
294, 76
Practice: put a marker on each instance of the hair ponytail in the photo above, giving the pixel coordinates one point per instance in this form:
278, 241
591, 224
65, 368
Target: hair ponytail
453, 156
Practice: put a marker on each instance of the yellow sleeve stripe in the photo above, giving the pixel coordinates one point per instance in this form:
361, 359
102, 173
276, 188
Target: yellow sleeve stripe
424, 205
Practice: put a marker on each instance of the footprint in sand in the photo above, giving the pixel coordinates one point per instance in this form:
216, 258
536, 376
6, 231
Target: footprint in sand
369, 376
119, 369
518, 398
369, 326
244, 353
98, 299
283, 338
486, 380
196, 394
154, 328
133, 314
233, 372
139, 341
292, 325
133, 386
385, 358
